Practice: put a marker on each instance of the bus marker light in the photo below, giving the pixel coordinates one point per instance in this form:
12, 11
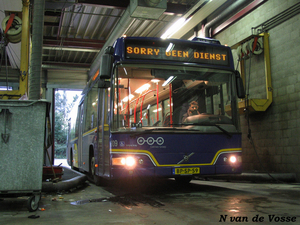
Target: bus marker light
118, 161
141, 161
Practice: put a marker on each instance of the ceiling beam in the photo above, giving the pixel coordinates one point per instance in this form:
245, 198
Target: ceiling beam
106, 3
59, 65
123, 4
73, 43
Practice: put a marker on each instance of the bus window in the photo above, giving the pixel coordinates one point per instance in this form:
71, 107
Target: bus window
77, 122
142, 95
145, 117
216, 99
166, 112
155, 114
91, 109
73, 122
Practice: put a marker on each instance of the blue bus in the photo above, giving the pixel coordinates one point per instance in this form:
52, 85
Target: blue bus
159, 108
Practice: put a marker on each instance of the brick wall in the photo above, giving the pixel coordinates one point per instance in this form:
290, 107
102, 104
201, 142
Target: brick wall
276, 132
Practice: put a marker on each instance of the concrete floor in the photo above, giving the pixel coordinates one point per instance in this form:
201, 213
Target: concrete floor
162, 202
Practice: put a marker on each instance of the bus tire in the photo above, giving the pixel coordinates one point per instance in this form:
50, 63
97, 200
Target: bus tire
71, 159
92, 165
95, 178
98, 181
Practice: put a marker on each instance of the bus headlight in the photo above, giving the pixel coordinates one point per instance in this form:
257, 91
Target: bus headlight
128, 161
232, 159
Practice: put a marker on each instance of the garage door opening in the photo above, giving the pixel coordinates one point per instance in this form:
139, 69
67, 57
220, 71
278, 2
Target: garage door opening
65, 101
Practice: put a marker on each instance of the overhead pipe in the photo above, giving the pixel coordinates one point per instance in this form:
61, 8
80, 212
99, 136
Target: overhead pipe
37, 48
122, 26
222, 13
278, 19
197, 17
63, 67
253, 5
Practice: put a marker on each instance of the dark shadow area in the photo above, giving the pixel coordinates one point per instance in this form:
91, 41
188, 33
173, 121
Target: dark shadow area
13, 204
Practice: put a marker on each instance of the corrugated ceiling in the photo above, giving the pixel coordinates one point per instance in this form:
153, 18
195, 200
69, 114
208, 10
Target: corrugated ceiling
76, 30
74, 35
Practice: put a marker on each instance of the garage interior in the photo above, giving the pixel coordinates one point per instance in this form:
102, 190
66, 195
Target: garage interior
57, 45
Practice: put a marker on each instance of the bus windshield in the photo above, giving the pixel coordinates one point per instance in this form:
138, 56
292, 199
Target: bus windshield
147, 95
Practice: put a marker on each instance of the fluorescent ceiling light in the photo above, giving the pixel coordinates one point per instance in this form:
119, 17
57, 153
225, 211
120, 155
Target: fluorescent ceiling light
71, 49
175, 27
197, 17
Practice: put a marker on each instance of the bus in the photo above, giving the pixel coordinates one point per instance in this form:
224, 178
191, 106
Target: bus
159, 108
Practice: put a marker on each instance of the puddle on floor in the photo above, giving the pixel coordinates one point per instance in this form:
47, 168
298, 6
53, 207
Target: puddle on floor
125, 200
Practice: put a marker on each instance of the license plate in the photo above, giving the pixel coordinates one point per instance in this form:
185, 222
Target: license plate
190, 170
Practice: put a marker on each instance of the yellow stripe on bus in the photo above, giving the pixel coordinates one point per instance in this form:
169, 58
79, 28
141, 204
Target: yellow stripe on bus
133, 151
90, 131
106, 128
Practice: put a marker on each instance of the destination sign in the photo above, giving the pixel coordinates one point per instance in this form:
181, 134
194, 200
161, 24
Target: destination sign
180, 51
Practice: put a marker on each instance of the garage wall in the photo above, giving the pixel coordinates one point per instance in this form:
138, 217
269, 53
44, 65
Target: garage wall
276, 132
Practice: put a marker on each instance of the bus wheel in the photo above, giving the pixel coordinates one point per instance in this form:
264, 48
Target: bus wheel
92, 166
71, 159
97, 180
183, 180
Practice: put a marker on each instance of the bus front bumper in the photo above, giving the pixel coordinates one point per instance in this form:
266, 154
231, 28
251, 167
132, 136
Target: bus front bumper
170, 172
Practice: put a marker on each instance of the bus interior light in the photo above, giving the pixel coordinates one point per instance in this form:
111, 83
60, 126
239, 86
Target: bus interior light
131, 96
170, 47
143, 88
157, 110
168, 81
155, 81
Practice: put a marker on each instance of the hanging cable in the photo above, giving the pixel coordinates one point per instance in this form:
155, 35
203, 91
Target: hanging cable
11, 51
249, 135
6, 66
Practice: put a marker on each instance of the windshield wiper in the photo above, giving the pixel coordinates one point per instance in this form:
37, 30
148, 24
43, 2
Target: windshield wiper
209, 124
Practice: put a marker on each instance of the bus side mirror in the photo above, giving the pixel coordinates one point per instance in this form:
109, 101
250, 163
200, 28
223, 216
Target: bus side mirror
239, 85
106, 64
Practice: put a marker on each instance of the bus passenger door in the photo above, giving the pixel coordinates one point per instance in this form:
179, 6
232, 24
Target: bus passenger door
103, 135
80, 130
